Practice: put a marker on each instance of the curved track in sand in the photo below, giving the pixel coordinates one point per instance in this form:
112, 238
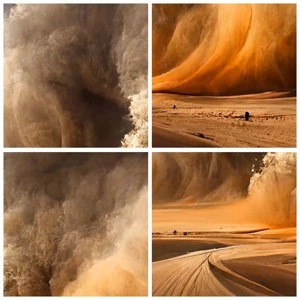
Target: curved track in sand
247, 270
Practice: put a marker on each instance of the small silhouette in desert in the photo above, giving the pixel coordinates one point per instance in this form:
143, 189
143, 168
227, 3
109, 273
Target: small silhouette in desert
175, 232
247, 116
174, 106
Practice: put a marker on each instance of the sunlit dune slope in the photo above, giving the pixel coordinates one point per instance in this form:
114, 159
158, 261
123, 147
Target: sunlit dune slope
224, 49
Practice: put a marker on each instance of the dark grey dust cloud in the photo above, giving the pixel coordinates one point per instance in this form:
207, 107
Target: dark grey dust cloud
75, 75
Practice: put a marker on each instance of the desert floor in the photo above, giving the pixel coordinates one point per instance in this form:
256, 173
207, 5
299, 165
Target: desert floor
220, 259
219, 121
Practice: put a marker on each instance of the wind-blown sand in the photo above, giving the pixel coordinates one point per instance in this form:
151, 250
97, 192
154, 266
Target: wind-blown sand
242, 52
224, 224
224, 49
201, 121
64, 219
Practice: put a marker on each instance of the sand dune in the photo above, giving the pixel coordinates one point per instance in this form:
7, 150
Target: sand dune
246, 52
237, 270
224, 49
224, 224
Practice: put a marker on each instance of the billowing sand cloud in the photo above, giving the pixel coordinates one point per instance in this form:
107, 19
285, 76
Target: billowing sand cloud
73, 77
75, 224
224, 49
201, 177
261, 187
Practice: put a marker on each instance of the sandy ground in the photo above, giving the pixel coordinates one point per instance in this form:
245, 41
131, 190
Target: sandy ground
205, 218
218, 121
267, 269
216, 258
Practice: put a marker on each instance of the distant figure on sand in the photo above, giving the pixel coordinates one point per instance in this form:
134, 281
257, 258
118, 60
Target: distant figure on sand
175, 232
247, 115
174, 107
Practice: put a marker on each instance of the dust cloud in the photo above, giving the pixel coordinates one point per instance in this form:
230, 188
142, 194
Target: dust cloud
75, 224
251, 187
75, 75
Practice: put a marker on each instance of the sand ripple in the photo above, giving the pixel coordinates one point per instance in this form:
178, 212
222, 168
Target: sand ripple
229, 271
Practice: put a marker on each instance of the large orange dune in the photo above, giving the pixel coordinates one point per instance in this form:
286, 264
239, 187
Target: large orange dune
224, 49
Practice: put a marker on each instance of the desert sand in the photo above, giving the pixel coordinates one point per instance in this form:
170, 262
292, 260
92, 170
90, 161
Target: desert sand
245, 53
220, 228
224, 49
203, 121
220, 260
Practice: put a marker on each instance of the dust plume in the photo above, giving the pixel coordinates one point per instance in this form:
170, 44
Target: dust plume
256, 187
75, 75
75, 224
272, 192
201, 177
224, 49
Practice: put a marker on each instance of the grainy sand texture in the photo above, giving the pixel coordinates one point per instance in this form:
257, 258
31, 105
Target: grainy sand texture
212, 63
200, 121
224, 224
